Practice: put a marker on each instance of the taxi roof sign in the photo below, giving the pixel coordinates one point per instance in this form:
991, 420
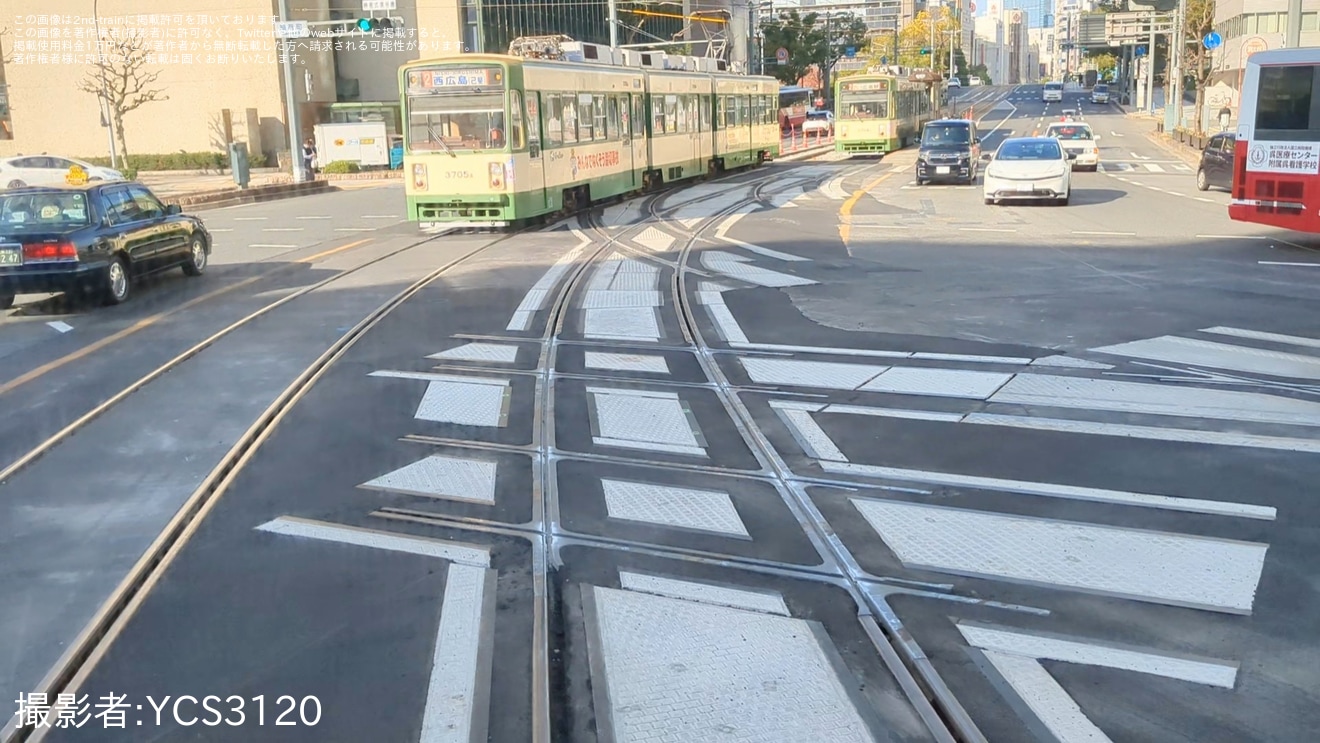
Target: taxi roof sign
76, 176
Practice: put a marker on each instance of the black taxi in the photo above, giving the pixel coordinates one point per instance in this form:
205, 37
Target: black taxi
93, 236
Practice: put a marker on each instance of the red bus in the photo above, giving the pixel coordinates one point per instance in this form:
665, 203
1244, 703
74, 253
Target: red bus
794, 100
1276, 170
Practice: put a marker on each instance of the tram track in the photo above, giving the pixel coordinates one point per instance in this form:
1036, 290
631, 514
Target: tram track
83, 653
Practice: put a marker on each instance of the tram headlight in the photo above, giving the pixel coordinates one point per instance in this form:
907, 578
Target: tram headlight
497, 176
419, 176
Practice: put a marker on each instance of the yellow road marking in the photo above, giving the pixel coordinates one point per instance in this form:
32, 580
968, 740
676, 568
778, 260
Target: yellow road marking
147, 322
845, 212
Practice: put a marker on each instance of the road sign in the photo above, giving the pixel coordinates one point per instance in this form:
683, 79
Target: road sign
884, 60
292, 30
781, 55
1141, 51
370, 5
1212, 40
850, 52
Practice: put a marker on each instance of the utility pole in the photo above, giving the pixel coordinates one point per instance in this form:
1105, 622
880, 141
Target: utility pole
1173, 109
1293, 39
1150, 68
105, 92
614, 24
291, 104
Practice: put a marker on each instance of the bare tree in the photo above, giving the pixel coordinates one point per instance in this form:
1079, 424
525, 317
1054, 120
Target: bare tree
119, 78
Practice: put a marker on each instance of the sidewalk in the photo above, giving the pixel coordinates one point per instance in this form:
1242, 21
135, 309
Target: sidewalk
170, 184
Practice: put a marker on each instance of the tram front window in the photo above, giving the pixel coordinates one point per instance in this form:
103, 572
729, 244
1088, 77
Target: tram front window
456, 122
866, 109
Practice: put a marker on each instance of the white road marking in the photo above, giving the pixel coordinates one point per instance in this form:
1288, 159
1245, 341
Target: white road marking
1232, 237
835, 351
464, 554
1116, 134
537, 297
1208, 201
282, 229
1152, 167
381, 216
723, 318
355, 229
663, 505
1135, 156
312, 217
248, 219
494, 352
767, 602
626, 362
985, 229
736, 267
654, 240
1056, 710
441, 477
1284, 263
219, 229
452, 710
1218, 355
1040, 647
271, 245
1110, 234
60, 326
1139, 564
1292, 340
638, 419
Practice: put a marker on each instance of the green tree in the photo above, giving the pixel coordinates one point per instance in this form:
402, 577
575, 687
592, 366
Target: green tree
811, 40
915, 36
1105, 62
1197, 60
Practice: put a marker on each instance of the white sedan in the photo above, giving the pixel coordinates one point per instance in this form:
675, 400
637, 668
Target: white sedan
1029, 168
47, 170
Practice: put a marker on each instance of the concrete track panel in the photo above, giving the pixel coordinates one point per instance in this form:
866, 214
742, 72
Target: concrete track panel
679, 668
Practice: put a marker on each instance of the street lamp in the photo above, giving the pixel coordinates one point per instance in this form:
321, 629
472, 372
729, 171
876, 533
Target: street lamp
105, 89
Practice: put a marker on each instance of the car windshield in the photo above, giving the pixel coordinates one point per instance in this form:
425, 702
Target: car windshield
44, 210
1071, 132
946, 135
1032, 150
1054, 86
1102, 88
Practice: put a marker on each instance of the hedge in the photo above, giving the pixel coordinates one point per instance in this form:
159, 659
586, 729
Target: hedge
341, 167
179, 161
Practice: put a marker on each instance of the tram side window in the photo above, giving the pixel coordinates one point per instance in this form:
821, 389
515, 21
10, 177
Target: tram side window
705, 113
1286, 104
516, 120
671, 114
638, 115
554, 120
533, 120
585, 117
658, 116
721, 108
598, 117
571, 120
612, 118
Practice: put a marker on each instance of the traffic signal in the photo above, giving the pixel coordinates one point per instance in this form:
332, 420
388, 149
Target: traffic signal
925, 50
372, 25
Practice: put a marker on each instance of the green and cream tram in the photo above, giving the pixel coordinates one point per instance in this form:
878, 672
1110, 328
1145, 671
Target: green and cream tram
494, 139
879, 113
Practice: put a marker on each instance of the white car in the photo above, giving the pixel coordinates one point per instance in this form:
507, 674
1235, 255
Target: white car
48, 170
1100, 93
1053, 92
819, 121
955, 82
1028, 168
1078, 140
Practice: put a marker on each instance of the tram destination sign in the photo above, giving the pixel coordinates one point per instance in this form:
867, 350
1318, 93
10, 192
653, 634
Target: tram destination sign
866, 86
476, 77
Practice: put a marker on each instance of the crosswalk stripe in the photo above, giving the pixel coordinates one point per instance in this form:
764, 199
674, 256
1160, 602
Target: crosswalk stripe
1153, 167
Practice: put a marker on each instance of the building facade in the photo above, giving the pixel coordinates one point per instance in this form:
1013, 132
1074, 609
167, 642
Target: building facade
219, 77
990, 49
1247, 27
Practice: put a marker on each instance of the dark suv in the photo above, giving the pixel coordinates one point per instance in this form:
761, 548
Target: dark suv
950, 151
1217, 160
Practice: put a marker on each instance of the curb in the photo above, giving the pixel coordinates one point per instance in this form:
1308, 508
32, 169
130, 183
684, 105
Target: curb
1186, 154
234, 197
806, 153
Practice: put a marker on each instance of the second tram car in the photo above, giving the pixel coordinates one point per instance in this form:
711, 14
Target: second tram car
491, 140
879, 113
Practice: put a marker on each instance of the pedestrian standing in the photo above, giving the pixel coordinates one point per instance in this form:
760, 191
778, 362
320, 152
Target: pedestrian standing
309, 158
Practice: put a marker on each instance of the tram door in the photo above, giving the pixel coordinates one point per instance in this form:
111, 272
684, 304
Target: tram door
535, 156
633, 125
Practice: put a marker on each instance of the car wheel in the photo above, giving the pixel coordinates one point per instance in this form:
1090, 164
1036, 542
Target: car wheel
16, 183
990, 202
1064, 200
195, 264
1202, 182
6, 301
117, 283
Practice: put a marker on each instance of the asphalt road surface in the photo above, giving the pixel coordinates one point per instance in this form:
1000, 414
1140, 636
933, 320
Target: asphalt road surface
807, 453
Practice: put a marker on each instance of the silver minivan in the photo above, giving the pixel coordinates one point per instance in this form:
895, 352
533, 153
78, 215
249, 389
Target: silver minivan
1100, 93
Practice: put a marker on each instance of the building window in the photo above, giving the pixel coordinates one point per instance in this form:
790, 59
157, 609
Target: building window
471, 27
1309, 21
1283, 108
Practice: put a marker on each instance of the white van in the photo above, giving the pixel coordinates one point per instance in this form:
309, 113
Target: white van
1053, 92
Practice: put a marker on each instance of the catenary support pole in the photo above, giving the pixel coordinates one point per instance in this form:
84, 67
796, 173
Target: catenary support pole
291, 104
105, 91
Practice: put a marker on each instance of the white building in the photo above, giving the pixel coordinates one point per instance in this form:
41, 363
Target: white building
989, 49
1247, 27
879, 15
